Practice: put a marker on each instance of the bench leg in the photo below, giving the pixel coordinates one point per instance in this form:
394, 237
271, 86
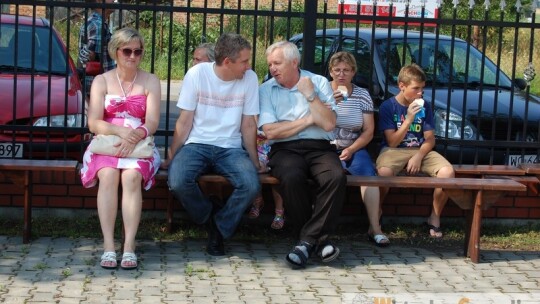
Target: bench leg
468, 225
27, 228
475, 227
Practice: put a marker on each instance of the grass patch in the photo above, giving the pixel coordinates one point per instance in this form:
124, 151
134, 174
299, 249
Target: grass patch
494, 236
40, 266
66, 272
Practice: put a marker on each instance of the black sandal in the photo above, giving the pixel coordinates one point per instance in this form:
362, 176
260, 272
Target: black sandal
436, 230
328, 257
300, 254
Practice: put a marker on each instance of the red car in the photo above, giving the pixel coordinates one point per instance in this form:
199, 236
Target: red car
43, 112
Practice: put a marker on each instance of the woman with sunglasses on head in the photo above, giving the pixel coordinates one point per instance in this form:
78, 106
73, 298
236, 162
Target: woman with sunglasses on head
355, 126
123, 102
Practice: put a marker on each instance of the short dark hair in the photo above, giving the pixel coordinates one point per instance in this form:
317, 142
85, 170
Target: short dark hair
230, 45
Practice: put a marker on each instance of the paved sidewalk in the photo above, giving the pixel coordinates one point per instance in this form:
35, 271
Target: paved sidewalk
62, 270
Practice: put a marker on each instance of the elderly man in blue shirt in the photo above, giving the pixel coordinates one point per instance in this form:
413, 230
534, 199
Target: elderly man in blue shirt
297, 116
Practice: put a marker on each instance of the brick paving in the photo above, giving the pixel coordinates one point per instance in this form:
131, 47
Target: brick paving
63, 270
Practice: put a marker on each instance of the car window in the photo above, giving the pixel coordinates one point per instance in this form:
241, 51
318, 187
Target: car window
474, 71
394, 56
439, 63
434, 61
360, 49
26, 41
322, 51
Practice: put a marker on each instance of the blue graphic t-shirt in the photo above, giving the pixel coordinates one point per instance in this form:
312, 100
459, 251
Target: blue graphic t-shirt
391, 116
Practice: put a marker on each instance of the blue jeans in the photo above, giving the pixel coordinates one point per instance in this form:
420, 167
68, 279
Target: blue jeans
193, 160
360, 164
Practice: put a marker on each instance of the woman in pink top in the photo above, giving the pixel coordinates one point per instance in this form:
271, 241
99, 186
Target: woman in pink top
123, 102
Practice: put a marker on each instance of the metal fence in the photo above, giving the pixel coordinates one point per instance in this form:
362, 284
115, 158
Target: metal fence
479, 59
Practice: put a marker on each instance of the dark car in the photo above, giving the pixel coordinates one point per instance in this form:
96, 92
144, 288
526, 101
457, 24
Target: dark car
481, 115
40, 92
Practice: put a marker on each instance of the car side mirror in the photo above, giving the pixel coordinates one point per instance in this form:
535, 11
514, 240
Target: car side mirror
520, 83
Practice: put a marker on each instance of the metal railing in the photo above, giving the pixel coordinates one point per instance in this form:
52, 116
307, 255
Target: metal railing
503, 119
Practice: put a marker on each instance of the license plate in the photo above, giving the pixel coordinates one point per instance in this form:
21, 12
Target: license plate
9, 150
515, 160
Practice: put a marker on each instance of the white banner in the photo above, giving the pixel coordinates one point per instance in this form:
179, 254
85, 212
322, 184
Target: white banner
350, 7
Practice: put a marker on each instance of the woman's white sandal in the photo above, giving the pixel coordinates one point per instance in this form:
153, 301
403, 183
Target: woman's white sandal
108, 260
129, 261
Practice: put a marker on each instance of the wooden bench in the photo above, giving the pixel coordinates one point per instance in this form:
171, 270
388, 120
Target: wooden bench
478, 170
517, 174
19, 172
532, 170
471, 194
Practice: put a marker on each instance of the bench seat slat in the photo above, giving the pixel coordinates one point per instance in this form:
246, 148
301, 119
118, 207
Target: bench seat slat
488, 169
214, 178
531, 168
403, 181
9, 164
429, 182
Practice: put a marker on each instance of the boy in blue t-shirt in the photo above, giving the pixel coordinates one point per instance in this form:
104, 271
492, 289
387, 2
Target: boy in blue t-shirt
408, 139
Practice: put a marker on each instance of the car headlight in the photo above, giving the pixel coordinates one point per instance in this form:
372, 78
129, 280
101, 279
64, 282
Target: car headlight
451, 123
58, 121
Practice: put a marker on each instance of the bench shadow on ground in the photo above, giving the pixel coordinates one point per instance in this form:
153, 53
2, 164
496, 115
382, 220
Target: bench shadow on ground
410, 244
256, 243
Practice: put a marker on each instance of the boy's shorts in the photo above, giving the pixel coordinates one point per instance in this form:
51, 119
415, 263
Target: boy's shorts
397, 158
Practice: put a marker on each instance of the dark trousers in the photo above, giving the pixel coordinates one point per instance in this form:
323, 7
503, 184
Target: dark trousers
312, 184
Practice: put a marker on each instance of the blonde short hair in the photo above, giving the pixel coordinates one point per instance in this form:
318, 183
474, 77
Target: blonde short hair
344, 57
122, 37
411, 72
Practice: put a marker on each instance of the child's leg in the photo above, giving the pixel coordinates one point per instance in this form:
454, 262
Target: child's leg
256, 207
435, 164
278, 201
279, 219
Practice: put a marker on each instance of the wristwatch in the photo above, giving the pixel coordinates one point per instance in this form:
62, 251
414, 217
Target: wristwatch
311, 97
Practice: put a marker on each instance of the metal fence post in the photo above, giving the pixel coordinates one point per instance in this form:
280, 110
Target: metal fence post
310, 29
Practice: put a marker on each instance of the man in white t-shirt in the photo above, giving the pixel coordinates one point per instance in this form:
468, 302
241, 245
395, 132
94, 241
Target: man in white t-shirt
216, 132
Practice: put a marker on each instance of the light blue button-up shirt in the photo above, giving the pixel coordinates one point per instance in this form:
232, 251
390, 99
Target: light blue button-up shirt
278, 104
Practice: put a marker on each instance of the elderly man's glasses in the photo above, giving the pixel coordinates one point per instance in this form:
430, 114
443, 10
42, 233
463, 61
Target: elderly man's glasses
344, 71
127, 52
